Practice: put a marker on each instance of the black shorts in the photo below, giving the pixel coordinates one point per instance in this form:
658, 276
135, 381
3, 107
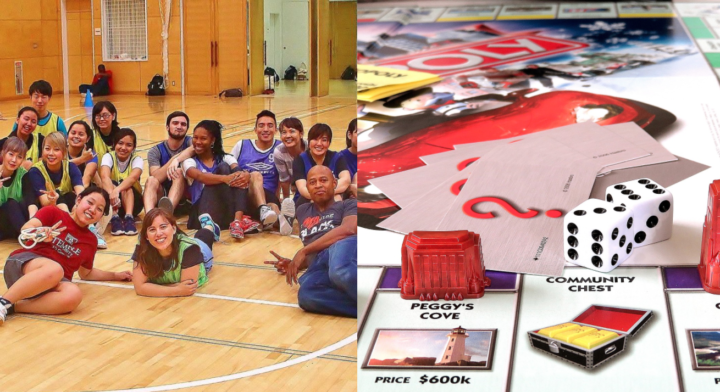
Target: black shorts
14, 269
137, 207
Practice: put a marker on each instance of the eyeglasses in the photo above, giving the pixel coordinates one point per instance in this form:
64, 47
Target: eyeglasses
104, 116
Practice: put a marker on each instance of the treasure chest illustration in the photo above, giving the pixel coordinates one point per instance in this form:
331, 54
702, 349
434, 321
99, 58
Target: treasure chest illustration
597, 335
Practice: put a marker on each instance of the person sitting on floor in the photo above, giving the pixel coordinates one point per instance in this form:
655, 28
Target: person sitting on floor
105, 127
350, 153
80, 152
55, 180
319, 138
120, 172
215, 185
165, 186
255, 158
25, 126
293, 144
328, 231
47, 123
101, 83
169, 263
13, 209
39, 280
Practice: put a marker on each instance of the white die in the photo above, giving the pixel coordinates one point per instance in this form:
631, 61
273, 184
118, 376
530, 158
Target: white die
598, 235
652, 207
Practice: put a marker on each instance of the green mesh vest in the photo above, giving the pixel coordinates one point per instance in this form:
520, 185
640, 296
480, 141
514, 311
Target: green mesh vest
13, 190
173, 276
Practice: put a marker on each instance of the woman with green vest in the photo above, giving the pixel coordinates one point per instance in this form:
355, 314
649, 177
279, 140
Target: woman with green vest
120, 172
13, 211
54, 179
168, 263
25, 126
105, 127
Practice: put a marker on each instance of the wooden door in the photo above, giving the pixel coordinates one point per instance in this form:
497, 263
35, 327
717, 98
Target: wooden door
199, 37
231, 41
343, 30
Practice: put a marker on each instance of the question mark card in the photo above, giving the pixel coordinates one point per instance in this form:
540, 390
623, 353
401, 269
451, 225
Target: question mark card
427, 209
636, 135
517, 210
404, 188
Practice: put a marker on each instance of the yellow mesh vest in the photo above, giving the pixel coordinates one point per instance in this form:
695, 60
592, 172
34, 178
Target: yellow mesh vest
65, 183
99, 147
33, 154
118, 176
50, 127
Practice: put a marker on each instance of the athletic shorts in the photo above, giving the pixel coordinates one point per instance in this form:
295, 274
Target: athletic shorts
14, 268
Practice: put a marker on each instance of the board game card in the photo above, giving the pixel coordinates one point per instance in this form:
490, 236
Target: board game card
429, 208
528, 241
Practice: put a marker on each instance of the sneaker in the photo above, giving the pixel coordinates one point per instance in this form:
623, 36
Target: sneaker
249, 226
267, 216
102, 244
116, 226
287, 216
129, 225
236, 230
166, 205
6, 309
206, 220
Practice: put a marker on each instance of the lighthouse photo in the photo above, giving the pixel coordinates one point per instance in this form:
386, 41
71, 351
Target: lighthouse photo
455, 348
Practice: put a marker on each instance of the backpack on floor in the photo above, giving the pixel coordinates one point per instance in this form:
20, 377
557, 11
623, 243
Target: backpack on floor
290, 73
348, 74
271, 72
156, 86
231, 93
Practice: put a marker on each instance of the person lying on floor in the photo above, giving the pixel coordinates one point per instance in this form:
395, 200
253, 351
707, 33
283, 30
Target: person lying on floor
328, 231
168, 263
39, 279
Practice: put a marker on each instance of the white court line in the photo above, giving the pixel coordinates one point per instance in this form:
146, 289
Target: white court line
249, 373
212, 296
235, 299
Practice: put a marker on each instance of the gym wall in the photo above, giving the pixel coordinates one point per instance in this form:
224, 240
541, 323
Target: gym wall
30, 32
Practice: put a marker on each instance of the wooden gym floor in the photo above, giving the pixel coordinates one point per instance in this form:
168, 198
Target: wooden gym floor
242, 331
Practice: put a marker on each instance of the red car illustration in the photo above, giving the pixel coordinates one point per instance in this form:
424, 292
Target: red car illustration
397, 145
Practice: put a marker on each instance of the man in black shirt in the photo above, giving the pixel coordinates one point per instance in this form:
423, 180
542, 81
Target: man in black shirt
328, 229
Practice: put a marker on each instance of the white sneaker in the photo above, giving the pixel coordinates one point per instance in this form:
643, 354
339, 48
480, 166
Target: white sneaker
267, 216
6, 309
287, 216
102, 244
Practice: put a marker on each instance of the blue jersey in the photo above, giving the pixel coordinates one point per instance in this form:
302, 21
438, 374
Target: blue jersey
252, 159
351, 160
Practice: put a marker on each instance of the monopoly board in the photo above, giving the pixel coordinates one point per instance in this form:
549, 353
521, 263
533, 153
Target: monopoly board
663, 56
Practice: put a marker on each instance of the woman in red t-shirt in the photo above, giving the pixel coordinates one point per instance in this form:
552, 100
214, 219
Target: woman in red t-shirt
39, 279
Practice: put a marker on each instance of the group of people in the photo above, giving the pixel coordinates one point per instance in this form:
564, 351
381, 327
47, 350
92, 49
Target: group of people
60, 187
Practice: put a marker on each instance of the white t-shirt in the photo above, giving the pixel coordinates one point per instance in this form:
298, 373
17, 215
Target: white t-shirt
137, 163
190, 162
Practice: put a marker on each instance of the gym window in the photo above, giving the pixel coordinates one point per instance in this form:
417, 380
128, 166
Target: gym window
124, 30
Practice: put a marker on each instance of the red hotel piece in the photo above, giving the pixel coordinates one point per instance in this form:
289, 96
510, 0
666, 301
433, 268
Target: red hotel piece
709, 266
442, 264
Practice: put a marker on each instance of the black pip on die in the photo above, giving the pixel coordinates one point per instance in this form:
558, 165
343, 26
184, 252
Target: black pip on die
598, 235
652, 207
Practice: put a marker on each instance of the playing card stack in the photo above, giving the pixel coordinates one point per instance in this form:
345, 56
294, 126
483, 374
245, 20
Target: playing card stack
514, 192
